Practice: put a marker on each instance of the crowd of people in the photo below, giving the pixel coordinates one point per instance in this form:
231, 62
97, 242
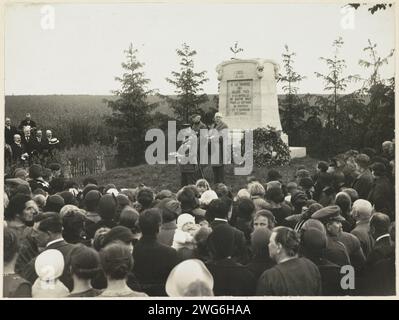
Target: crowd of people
271, 238
27, 144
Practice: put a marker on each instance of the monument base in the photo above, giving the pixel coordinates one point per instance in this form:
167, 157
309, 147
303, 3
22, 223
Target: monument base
297, 152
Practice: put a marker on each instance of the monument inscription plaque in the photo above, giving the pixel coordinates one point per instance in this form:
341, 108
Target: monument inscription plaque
239, 101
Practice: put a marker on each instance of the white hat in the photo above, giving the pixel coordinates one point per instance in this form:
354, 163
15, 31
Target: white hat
183, 219
185, 274
208, 196
49, 265
218, 114
113, 191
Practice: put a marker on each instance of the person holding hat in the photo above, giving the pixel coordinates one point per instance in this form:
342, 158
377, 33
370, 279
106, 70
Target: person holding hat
292, 275
382, 193
361, 212
230, 277
342, 248
188, 279
49, 266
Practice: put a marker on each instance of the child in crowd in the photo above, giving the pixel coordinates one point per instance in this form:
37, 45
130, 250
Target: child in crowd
184, 234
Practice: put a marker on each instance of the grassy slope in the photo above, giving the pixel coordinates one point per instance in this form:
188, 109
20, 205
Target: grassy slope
168, 176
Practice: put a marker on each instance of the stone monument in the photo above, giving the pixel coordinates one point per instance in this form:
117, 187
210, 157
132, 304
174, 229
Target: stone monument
248, 97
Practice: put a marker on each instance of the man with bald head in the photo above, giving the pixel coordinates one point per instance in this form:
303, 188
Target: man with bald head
361, 213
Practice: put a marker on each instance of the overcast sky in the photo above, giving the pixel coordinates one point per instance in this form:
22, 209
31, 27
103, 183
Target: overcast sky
83, 52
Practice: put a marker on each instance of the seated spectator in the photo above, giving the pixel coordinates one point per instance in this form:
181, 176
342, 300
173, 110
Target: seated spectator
230, 278
292, 276
260, 260
85, 266
48, 284
14, 286
153, 261
117, 261
190, 278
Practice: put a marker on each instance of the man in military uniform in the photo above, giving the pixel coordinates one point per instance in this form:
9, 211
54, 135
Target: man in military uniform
343, 248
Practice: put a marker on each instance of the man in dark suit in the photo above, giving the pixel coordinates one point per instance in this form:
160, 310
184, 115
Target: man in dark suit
28, 141
292, 276
230, 277
27, 122
218, 211
153, 261
364, 181
18, 149
9, 132
379, 275
47, 233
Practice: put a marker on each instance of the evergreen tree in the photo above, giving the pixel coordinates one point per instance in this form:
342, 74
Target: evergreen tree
131, 111
292, 105
188, 84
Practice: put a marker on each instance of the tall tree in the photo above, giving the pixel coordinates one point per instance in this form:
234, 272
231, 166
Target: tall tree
334, 82
188, 84
131, 110
292, 105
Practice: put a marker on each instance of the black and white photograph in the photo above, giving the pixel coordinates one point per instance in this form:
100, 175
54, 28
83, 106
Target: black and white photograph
198, 150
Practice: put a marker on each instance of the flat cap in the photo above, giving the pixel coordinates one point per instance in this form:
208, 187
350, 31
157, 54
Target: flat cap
330, 213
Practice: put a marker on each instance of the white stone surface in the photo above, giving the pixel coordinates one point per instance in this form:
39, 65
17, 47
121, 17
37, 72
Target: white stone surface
297, 152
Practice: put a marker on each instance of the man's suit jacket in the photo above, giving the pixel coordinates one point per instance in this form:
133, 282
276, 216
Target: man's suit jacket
383, 249
17, 151
9, 134
240, 254
29, 273
363, 184
28, 145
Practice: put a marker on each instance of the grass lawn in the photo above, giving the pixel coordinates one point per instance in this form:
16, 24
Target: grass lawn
165, 176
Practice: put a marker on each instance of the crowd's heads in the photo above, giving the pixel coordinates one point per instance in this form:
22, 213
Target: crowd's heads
362, 210
35, 171
298, 199
222, 190
91, 200
273, 175
54, 203
50, 259
387, 146
260, 239
313, 224
85, 262
207, 196
170, 210
20, 173
202, 185
275, 195
164, 194
89, 180
188, 199
217, 209
264, 219
343, 200
292, 187
313, 242
145, 197
379, 224
245, 209
243, 193
352, 194
23, 207
378, 169
362, 161
116, 261
221, 242
322, 166
331, 217
119, 234
129, 218
149, 222
189, 278
73, 222
48, 227
306, 183
284, 242
107, 207
256, 189
68, 197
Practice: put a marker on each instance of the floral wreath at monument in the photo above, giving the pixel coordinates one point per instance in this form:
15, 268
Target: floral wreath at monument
268, 148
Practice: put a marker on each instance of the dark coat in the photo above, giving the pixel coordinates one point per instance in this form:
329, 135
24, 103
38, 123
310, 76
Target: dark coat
25, 122
383, 248
258, 265
336, 252
17, 151
231, 278
9, 134
354, 249
295, 277
362, 232
382, 196
363, 184
28, 145
166, 233
152, 264
29, 273
241, 253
